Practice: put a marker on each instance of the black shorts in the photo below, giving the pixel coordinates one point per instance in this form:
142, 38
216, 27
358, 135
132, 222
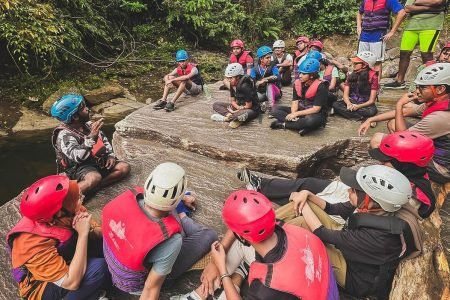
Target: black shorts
79, 172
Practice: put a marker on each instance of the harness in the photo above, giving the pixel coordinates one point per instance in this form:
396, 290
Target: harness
376, 16
197, 79
129, 235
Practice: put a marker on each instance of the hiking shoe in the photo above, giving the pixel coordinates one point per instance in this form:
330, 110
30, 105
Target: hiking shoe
277, 125
373, 124
189, 296
395, 85
102, 295
263, 106
218, 118
252, 181
235, 124
160, 104
331, 112
170, 107
304, 131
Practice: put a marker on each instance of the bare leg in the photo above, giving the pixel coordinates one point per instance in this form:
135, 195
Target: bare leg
375, 141
120, 170
391, 126
182, 86
403, 65
89, 181
167, 87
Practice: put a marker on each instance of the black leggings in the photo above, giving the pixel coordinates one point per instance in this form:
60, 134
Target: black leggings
363, 113
310, 122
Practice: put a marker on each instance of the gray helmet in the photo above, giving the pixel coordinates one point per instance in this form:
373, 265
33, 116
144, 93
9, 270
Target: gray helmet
279, 44
165, 186
234, 69
386, 186
435, 74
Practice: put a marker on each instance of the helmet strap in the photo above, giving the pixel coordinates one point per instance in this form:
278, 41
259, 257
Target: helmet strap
242, 240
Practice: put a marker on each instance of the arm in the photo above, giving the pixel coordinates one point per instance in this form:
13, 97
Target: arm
401, 111
310, 218
286, 62
428, 2
301, 198
294, 106
234, 103
372, 98
152, 286
332, 85
219, 258
418, 8
313, 110
398, 20
346, 96
358, 23
193, 72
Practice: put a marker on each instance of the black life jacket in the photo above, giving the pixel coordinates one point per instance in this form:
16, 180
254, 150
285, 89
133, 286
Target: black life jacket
275, 59
240, 97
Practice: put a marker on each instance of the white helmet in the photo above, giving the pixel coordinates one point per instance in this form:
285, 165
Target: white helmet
387, 186
367, 57
279, 44
435, 74
165, 186
234, 69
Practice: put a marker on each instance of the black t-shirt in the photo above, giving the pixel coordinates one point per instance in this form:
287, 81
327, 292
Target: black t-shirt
245, 92
258, 291
321, 98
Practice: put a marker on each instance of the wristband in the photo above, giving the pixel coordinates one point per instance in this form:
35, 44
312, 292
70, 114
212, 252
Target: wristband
223, 276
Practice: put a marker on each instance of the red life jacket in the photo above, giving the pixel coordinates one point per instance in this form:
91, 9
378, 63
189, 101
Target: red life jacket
186, 71
376, 16
308, 100
64, 236
303, 271
129, 233
327, 74
436, 106
242, 58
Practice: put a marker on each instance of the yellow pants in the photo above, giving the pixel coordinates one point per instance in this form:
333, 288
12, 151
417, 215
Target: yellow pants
287, 214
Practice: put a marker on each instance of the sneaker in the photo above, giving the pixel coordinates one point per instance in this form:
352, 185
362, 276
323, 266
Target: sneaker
160, 104
102, 295
217, 118
373, 124
170, 107
235, 124
277, 125
269, 116
331, 111
303, 132
263, 106
395, 85
252, 181
189, 296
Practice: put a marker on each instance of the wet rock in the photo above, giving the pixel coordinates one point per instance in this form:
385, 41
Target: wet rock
390, 68
46, 106
31, 121
393, 53
412, 69
104, 94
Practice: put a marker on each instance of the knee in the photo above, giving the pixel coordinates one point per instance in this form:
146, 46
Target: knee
93, 178
391, 126
97, 271
375, 141
210, 236
124, 168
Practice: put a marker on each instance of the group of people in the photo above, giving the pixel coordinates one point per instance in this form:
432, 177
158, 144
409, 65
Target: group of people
325, 236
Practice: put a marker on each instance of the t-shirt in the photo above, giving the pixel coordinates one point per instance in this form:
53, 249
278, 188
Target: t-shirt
247, 92
424, 21
375, 36
288, 58
263, 71
259, 291
334, 73
321, 97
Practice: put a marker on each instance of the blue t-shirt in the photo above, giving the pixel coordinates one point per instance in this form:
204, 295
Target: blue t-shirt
262, 71
376, 36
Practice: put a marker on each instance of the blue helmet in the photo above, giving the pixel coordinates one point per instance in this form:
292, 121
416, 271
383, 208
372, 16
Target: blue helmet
65, 107
262, 51
309, 65
181, 55
314, 54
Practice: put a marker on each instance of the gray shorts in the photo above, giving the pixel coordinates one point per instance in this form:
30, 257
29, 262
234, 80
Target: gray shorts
195, 89
376, 48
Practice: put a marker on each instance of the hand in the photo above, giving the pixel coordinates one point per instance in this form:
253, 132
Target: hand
261, 82
210, 279
290, 117
406, 98
231, 109
219, 256
189, 201
299, 199
110, 162
82, 222
362, 130
168, 81
349, 106
355, 107
388, 36
95, 128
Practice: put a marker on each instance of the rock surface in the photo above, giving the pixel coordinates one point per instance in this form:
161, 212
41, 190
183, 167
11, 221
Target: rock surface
31, 121
212, 152
104, 94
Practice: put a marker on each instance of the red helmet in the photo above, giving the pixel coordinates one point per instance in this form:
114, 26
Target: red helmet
316, 43
447, 45
303, 39
237, 43
405, 146
250, 215
44, 198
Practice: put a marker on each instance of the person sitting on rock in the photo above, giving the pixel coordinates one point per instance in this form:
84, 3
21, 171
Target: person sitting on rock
243, 105
82, 149
281, 256
283, 61
185, 78
361, 89
267, 79
314, 45
433, 94
241, 56
302, 44
148, 235
383, 230
310, 96
49, 245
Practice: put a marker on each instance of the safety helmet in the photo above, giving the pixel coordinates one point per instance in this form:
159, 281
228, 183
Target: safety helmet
435, 74
447, 45
237, 43
368, 57
279, 44
316, 43
165, 186
234, 69
65, 107
405, 146
250, 215
386, 186
314, 54
44, 198
262, 51
181, 55
309, 65
303, 39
